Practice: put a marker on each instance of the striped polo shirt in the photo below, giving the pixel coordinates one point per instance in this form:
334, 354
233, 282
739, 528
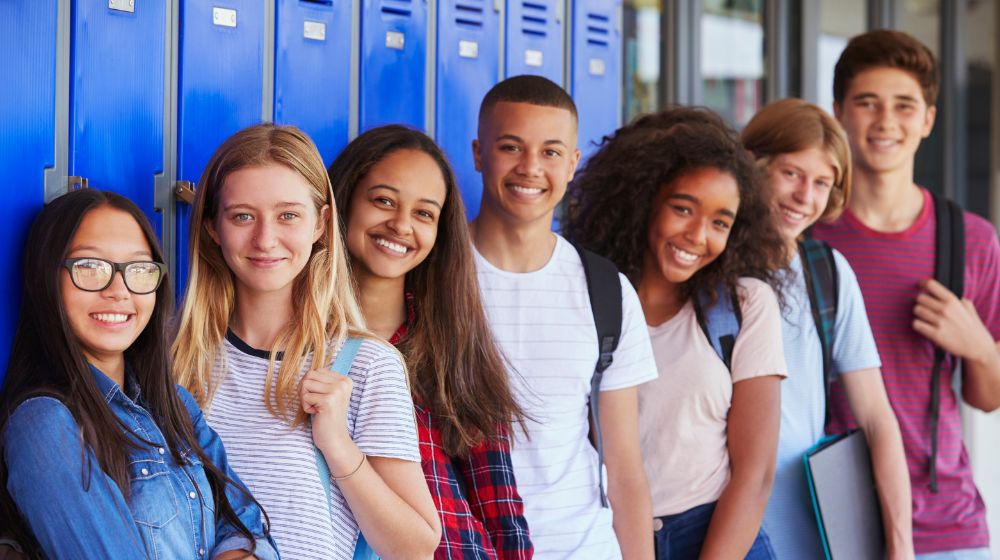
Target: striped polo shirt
889, 267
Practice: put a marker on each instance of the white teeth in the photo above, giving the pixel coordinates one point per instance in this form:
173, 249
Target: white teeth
684, 255
793, 214
526, 190
391, 246
884, 143
110, 317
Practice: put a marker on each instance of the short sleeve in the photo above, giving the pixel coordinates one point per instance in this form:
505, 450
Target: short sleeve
633, 359
381, 404
758, 350
982, 267
854, 346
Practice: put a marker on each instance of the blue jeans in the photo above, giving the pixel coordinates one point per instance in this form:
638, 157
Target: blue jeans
964, 554
682, 535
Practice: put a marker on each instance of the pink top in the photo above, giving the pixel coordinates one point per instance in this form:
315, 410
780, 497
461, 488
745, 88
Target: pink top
889, 266
683, 412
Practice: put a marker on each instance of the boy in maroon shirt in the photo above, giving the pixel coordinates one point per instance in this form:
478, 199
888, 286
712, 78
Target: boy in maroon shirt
885, 89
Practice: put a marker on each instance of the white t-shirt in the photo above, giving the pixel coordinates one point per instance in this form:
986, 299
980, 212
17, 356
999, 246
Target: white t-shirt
789, 520
543, 322
683, 414
278, 462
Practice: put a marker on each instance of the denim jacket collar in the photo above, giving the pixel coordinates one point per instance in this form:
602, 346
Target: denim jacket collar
109, 388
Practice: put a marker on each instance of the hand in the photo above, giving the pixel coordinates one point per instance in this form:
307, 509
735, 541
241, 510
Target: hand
326, 395
951, 323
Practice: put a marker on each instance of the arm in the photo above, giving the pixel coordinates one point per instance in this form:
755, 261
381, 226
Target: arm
954, 325
628, 490
229, 542
73, 508
493, 498
752, 440
388, 497
870, 405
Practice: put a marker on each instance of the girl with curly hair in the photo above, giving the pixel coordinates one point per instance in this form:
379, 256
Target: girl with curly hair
808, 163
415, 278
675, 201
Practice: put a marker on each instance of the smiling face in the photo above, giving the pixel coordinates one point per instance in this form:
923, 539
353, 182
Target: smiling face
690, 224
527, 155
107, 322
392, 222
266, 226
885, 117
800, 183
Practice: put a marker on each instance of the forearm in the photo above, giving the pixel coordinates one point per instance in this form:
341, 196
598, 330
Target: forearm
981, 379
892, 480
391, 525
738, 514
633, 515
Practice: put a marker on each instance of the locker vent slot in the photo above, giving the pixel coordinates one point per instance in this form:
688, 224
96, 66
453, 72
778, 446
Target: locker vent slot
598, 29
469, 12
320, 2
534, 18
397, 8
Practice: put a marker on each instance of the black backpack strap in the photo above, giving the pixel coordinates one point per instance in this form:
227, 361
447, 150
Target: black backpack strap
822, 283
949, 269
605, 291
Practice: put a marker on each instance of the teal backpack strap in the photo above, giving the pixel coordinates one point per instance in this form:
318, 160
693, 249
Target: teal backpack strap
721, 321
820, 271
342, 365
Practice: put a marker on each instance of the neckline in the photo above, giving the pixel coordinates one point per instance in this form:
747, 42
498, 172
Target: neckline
250, 350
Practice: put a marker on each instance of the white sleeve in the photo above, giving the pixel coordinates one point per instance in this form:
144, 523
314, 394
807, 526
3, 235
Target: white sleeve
384, 424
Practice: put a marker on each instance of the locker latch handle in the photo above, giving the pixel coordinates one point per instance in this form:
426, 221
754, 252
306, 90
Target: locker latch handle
184, 190
77, 183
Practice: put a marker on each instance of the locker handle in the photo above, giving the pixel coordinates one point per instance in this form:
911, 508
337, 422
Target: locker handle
184, 191
323, 2
76, 183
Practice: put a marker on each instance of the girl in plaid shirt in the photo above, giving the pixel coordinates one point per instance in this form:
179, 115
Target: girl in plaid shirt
415, 277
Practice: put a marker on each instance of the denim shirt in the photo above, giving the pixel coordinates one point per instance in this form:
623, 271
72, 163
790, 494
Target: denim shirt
75, 510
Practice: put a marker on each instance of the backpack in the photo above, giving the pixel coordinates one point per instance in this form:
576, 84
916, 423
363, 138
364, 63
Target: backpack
605, 292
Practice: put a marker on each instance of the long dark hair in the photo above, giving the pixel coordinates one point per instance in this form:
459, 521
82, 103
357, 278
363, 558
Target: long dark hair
47, 360
610, 201
455, 367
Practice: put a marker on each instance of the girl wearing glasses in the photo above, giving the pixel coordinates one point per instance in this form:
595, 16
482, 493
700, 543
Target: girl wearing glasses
269, 305
103, 455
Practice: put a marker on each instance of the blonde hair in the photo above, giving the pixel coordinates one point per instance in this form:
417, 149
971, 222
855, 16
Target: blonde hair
792, 125
325, 309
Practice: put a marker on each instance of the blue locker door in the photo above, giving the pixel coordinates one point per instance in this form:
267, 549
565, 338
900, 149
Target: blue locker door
596, 69
220, 89
312, 66
27, 139
468, 63
535, 39
393, 62
116, 98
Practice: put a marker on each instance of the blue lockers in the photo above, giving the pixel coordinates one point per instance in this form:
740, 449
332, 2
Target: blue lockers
535, 38
595, 69
312, 66
116, 104
27, 139
393, 62
220, 89
468, 65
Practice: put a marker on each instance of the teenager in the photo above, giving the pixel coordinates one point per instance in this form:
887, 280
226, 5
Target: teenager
268, 306
808, 163
675, 201
535, 293
885, 90
412, 265
103, 455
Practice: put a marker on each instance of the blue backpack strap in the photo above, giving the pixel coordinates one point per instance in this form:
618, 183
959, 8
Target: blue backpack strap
342, 365
949, 269
605, 292
720, 321
822, 284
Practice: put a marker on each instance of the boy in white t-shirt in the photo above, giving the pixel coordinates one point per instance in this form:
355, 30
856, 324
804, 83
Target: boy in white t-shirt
535, 294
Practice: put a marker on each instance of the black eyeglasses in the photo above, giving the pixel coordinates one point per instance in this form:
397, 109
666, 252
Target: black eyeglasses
93, 275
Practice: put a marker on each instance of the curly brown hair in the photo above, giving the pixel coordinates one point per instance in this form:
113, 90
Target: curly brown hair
609, 204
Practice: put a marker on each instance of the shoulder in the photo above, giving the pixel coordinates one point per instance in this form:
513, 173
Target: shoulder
187, 399
756, 293
38, 421
980, 238
978, 227
375, 359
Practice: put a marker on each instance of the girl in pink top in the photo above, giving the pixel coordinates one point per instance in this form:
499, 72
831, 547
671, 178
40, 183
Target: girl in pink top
664, 198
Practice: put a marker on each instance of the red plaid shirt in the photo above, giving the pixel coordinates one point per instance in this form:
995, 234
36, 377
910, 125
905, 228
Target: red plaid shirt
482, 516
